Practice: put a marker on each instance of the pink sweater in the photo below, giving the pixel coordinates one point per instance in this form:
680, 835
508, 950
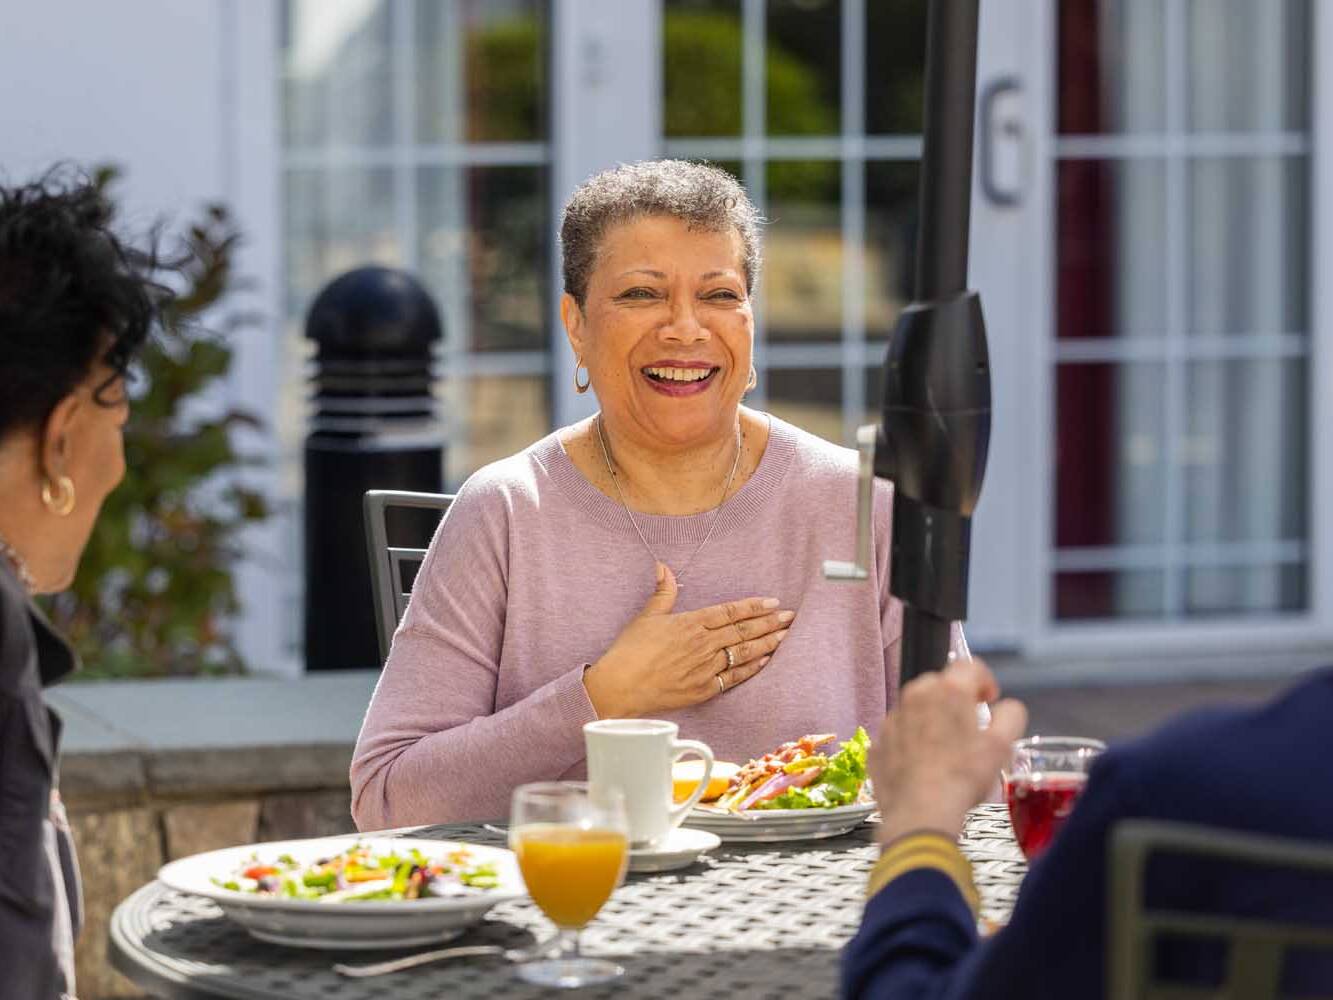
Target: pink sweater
534, 572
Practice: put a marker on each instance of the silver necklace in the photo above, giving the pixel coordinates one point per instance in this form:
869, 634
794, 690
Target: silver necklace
712, 523
20, 567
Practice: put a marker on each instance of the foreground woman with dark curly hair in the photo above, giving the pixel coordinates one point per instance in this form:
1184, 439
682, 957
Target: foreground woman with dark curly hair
75, 304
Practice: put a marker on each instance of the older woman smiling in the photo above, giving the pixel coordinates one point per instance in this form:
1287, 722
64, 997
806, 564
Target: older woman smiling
659, 559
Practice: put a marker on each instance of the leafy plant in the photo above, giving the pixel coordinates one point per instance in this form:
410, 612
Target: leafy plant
154, 590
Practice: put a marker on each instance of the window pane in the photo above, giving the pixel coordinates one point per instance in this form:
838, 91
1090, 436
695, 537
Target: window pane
1110, 460
804, 67
496, 217
1249, 65
1112, 66
305, 234
1244, 458
336, 220
733, 167
499, 415
701, 67
810, 398
895, 67
802, 286
499, 48
891, 207
1249, 245
1127, 594
1248, 589
337, 73
305, 112
1111, 253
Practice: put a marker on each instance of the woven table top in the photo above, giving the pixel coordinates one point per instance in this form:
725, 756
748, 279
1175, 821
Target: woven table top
760, 920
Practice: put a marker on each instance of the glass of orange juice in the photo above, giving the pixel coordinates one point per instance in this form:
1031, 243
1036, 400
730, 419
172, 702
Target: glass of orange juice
572, 847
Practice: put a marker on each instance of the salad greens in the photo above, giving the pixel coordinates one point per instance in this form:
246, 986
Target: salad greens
799, 775
360, 875
839, 784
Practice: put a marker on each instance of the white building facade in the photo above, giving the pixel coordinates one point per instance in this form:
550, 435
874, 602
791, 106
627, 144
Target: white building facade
1151, 217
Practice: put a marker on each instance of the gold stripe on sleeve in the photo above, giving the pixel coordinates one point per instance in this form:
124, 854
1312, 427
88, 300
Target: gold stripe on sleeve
925, 850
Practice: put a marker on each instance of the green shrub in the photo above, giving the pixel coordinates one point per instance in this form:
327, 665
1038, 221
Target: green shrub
154, 595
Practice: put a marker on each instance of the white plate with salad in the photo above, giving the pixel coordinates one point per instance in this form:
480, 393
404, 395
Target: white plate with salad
352, 892
803, 790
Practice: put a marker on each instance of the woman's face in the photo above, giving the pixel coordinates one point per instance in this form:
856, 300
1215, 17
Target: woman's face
84, 440
666, 331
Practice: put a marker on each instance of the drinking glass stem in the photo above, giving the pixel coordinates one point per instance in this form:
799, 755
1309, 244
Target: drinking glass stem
568, 942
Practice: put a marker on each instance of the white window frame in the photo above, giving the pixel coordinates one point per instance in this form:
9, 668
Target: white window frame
1217, 642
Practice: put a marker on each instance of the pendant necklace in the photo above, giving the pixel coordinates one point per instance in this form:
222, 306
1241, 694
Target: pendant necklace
615, 481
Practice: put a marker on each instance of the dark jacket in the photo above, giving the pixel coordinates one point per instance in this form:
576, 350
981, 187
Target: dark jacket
1261, 770
40, 903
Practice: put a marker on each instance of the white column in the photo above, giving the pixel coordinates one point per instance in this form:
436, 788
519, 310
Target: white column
606, 108
1004, 574
252, 189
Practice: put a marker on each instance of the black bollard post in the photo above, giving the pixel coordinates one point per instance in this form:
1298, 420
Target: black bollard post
373, 426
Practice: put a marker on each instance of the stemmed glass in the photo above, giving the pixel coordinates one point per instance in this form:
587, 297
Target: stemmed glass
572, 847
1043, 781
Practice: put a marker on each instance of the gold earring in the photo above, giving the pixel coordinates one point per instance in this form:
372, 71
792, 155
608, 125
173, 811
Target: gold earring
581, 387
754, 379
64, 505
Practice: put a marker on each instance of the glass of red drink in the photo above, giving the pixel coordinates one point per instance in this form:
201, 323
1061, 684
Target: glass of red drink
1044, 779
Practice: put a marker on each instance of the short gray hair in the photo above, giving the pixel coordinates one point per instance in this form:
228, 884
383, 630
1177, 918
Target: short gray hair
700, 195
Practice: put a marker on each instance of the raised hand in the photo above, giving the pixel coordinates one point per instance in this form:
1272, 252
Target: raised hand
931, 762
664, 660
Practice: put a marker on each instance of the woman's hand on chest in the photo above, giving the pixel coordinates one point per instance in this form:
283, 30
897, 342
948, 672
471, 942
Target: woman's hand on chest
663, 661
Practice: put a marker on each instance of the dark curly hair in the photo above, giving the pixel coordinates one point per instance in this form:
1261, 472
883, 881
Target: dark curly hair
72, 293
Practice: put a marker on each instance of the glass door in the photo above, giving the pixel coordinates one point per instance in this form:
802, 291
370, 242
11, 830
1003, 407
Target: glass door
1159, 160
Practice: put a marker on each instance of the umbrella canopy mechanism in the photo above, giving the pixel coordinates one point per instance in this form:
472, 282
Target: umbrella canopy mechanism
937, 404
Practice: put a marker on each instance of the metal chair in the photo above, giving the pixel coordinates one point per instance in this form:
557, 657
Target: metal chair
1256, 946
389, 588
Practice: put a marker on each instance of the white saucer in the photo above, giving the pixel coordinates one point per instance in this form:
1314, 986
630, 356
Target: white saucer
678, 849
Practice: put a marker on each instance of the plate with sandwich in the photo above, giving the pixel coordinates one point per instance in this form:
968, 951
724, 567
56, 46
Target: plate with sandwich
807, 789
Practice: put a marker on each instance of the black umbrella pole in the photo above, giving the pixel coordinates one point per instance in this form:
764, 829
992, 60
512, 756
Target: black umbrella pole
937, 396
946, 155
925, 643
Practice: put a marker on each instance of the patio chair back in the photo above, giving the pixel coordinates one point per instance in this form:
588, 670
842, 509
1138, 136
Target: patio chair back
1256, 947
390, 588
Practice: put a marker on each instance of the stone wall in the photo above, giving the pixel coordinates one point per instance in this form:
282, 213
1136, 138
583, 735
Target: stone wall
121, 849
155, 771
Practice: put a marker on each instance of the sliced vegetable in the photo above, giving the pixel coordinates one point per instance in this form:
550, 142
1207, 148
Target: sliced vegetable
778, 784
358, 876
839, 783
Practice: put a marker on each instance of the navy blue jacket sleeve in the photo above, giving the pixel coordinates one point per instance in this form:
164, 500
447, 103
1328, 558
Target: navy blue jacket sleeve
918, 941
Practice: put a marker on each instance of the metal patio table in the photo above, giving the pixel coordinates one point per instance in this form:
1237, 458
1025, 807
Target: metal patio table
758, 920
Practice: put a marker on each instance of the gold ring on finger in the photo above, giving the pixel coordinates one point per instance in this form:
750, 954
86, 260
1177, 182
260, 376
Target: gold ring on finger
731, 657
721, 684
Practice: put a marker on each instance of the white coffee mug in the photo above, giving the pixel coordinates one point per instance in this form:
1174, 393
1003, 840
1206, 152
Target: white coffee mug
635, 756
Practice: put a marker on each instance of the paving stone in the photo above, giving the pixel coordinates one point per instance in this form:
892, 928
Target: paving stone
192, 829
245, 771
310, 814
119, 851
102, 781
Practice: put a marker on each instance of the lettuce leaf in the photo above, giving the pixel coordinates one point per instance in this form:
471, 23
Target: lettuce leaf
839, 785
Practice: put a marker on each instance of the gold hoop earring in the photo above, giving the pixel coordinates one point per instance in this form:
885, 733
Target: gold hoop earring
754, 379
64, 504
581, 387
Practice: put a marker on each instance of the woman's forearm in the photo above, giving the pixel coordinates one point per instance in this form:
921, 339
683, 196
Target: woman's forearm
406, 772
